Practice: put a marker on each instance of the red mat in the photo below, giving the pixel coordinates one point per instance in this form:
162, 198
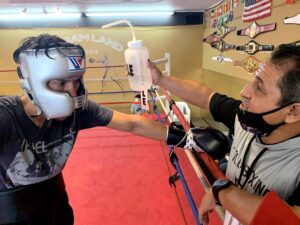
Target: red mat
114, 177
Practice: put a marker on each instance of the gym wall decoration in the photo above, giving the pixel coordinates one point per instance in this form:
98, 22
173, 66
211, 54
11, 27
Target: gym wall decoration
222, 46
220, 58
250, 64
256, 9
255, 29
216, 38
220, 13
292, 20
219, 34
252, 47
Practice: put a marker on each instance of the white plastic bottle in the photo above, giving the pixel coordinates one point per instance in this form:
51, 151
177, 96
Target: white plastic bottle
136, 59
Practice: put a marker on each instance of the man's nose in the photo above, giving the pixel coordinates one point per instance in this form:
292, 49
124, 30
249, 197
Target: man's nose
71, 88
246, 92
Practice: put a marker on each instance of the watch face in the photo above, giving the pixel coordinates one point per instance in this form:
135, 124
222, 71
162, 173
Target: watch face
220, 182
219, 185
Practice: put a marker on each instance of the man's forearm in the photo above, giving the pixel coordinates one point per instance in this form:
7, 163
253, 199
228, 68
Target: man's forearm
148, 128
138, 125
241, 204
190, 91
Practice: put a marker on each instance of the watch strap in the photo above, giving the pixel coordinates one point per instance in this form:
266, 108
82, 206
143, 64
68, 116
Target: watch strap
254, 29
217, 188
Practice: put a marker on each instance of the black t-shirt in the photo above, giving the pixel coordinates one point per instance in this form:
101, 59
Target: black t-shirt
223, 109
30, 154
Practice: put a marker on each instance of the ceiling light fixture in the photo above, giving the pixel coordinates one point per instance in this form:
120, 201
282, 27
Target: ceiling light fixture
107, 14
44, 10
13, 16
24, 11
58, 10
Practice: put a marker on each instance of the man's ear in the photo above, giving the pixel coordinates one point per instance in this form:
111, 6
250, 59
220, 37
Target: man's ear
294, 113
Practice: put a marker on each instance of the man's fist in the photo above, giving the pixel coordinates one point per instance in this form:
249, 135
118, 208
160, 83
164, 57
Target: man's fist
208, 139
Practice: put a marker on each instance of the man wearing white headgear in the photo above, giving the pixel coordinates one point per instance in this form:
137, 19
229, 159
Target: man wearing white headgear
38, 130
37, 68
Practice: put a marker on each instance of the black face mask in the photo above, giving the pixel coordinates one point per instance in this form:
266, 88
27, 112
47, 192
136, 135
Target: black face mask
254, 122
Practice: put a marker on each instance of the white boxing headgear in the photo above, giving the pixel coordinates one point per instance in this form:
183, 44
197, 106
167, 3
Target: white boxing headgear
37, 69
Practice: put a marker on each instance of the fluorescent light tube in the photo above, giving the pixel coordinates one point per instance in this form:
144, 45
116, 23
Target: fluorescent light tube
107, 14
40, 16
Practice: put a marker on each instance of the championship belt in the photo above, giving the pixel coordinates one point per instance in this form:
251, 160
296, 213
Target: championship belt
251, 64
212, 39
222, 46
223, 31
252, 47
254, 29
219, 34
294, 19
221, 58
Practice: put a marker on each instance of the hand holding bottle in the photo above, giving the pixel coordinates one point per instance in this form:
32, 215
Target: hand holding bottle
156, 74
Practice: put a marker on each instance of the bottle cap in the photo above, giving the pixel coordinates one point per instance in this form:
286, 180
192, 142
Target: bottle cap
135, 44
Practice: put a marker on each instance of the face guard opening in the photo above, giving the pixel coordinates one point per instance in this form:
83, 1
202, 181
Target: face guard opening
37, 69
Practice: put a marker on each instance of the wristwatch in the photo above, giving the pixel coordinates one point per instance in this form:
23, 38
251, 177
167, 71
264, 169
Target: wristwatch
222, 46
252, 47
218, 186
251, 64
254, 29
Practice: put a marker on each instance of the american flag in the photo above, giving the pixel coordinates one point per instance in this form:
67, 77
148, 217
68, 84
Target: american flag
256, 9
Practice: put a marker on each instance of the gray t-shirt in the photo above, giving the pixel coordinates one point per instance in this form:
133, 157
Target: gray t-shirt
30, 154
266, 167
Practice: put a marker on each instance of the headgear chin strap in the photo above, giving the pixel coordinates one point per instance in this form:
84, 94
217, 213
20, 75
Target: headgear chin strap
37, 69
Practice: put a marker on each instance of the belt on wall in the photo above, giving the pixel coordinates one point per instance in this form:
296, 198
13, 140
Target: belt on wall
23, 203
219, 34
251, 64
255, 29
252, 47
222, 46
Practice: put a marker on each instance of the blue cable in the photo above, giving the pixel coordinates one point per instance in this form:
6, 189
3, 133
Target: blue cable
155, 108
186, 189
178, 169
